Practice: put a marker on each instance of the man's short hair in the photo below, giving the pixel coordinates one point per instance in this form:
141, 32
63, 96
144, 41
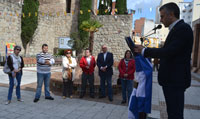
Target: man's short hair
171, 7
88, 49
44, 45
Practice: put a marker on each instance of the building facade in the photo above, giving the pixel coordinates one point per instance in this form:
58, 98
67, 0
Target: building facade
186, 12
139, 23
164, 31
196, 47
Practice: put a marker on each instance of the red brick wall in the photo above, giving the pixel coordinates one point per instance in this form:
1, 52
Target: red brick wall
139, 23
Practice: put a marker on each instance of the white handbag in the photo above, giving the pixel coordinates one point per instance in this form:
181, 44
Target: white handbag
65, 74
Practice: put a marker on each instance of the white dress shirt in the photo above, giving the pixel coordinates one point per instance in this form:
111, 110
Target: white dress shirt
88, 59
104, 56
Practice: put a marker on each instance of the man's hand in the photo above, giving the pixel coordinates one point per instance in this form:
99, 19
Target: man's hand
87, 67
103, 69
138, 49
47, 62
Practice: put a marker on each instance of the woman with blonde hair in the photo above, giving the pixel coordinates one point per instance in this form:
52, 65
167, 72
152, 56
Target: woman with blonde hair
69, 63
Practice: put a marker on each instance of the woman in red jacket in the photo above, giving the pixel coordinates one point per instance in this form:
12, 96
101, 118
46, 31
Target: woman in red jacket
87, 63
126, 74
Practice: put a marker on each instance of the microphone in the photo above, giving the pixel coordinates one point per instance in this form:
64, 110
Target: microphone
154, 29
158, 27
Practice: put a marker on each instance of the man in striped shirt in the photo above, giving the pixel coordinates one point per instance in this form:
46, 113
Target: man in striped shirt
44, 63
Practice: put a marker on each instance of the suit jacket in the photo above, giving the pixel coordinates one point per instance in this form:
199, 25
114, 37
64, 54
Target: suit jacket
108, 62
175, 57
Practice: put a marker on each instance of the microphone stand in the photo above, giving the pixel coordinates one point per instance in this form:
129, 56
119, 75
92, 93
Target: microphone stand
142, 38
151, 33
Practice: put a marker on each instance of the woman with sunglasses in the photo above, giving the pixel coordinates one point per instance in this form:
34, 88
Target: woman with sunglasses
69, 63
15, 63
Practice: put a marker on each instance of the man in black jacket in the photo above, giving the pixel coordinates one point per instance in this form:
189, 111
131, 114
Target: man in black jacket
174, 74
105, 63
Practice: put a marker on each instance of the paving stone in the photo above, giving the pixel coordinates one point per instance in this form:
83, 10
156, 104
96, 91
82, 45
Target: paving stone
84, 109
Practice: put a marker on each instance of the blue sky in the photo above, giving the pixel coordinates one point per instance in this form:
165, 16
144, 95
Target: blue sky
147, 8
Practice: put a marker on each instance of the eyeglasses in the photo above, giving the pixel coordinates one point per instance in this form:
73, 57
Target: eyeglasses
68, 53
18, 49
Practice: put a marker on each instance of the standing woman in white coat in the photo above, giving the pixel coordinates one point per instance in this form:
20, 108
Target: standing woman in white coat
69, 63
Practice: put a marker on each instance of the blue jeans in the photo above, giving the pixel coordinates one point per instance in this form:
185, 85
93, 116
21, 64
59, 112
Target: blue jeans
108, 79
11, 85
40, 78
127, 87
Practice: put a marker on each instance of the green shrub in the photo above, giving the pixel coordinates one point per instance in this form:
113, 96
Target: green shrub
29, 23
82, 41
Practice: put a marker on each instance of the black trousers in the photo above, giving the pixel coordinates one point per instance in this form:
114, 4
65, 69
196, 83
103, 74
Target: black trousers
87, 78
155, 67
174, 98
67, 87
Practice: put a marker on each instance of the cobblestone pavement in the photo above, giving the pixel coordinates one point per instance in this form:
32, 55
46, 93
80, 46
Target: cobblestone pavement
58, 109
85, 108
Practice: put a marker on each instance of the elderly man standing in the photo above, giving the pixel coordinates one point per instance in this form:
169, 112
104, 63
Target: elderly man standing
44, 63
105, 63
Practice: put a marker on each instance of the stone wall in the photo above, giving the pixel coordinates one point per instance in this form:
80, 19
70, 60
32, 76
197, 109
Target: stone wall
10, 24
50, 28
52, 5
112, 34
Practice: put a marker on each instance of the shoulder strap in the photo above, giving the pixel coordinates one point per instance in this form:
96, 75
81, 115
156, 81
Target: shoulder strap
11, 57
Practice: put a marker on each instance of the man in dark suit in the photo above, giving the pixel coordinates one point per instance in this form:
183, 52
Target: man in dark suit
105, 63
174, 74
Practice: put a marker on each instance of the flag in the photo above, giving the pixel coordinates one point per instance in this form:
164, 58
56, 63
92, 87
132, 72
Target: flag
140, 100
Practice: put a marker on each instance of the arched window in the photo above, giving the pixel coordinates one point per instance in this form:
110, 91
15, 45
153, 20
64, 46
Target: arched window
68, 6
